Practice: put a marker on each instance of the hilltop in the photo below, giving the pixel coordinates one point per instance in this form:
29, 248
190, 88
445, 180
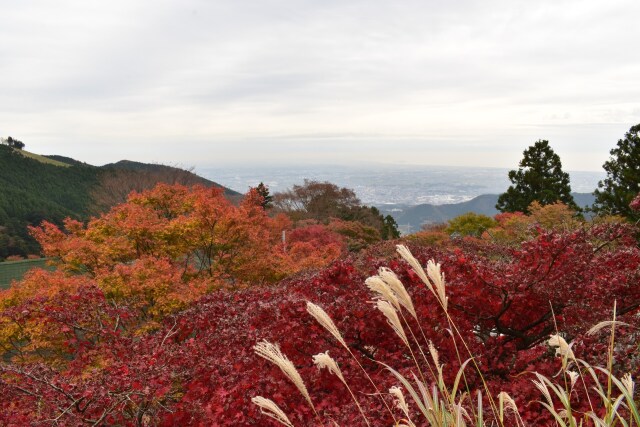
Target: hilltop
35, 188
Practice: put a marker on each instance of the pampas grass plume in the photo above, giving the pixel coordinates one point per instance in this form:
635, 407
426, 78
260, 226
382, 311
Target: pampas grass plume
323, 318
406, 254
272, 353
269, 408
563, 349
323, 360
398, 289
382, 290
392, 318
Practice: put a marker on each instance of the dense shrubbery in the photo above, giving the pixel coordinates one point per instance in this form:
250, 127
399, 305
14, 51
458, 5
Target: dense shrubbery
126, 338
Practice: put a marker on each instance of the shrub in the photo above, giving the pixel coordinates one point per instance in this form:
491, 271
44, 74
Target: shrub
197, 366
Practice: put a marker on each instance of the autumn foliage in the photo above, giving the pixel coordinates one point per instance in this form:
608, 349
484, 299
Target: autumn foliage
153, 313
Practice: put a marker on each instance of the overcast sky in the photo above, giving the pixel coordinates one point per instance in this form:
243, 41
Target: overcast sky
328, 81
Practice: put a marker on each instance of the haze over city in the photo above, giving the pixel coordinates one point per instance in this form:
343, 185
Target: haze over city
205, 83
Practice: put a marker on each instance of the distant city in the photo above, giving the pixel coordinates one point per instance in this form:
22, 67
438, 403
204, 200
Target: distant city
380, 185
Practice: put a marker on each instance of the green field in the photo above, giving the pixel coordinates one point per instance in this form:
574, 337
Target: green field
42, 159
15, 270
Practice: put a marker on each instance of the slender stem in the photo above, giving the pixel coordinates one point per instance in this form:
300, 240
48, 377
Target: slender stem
356, 402
378, 392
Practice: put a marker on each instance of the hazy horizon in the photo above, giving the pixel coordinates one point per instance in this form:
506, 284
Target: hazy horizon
383, 184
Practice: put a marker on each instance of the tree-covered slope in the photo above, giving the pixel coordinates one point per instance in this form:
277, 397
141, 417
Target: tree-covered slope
32, 189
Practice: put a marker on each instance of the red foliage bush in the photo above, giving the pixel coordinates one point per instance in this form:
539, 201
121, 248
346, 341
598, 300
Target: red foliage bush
200, 369
635, 203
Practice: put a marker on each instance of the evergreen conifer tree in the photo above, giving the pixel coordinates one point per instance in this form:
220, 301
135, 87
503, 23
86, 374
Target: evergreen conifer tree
622, 183
267, 198
539, 177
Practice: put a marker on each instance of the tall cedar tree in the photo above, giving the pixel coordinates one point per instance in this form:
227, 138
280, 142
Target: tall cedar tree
540, 178
267, 198
616, 192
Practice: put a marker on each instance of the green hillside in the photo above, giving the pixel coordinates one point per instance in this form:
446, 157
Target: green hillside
34, 188
42, 159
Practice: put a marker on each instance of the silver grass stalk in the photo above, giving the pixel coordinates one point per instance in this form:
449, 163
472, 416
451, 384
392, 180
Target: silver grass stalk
563, 349
507, 402
437, 277
434, 353
606, 324
272, 353
269, 408
627, 382
400, 402
382, 291
433, 271
392, 318
323, 360
436, 361
398, 289
415, 265
573, 376
542, 386
323, 318
460, 414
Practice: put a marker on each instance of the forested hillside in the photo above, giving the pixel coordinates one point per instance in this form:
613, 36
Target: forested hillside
32, 190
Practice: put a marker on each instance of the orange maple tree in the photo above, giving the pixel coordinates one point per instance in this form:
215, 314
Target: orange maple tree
151, 257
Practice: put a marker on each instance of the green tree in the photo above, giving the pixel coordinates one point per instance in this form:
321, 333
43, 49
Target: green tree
15, 143
267, 198
540, 178
470, 224
323, 201
622, 183
390, 228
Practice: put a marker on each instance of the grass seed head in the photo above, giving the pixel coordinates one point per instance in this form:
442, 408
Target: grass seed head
382, 291
406, 254
272, 353
437, 277
627, 382
605, 324
323, 360
400, 402
398, 289
392, 318
562, 348
269, 408
323, 318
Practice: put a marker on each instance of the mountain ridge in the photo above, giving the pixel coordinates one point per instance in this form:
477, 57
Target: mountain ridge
413, 217
34, 188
